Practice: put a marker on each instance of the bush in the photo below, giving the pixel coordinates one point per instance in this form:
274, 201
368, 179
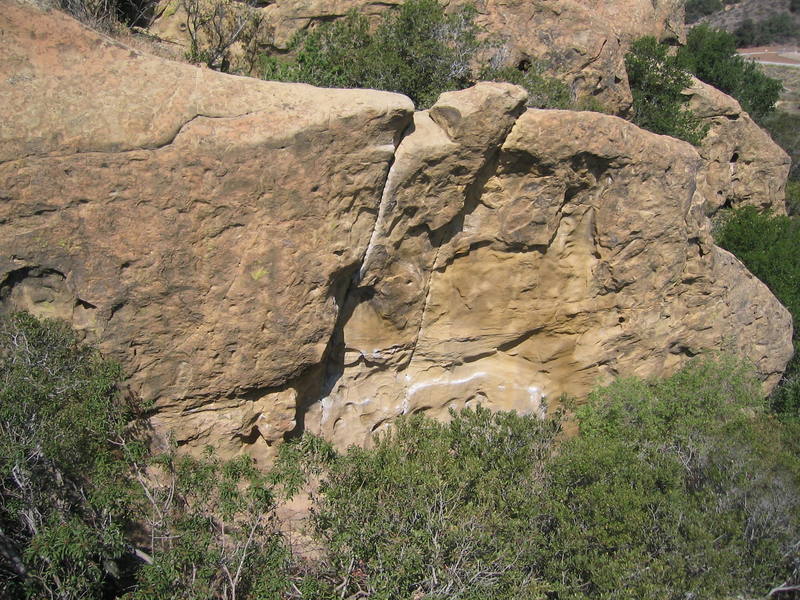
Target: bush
675, 488
60, 515
768, 246
418, 50
711, 55
438, 511
656, 81
86, 512
223, 34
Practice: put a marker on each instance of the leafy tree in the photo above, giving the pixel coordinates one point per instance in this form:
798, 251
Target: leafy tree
711, 55
657, 80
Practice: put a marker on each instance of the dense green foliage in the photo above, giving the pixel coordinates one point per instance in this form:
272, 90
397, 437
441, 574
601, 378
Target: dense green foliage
657, 80
676, 487
770, 248
776, 28
87, 512
59, 517
418, 50
711, 56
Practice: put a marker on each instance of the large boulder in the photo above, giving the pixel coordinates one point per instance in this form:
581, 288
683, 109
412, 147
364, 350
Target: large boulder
265, 258
201, 227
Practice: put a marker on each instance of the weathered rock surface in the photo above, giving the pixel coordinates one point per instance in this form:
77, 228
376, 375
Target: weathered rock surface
581, 252
743, 165
265, 256
583, 40
202, 227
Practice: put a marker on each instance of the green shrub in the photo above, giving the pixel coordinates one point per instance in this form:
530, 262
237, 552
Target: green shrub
211, 531
675, 488
657, 80
768, 246
61, 507
438, 511
417, 50
711, 55
86, 512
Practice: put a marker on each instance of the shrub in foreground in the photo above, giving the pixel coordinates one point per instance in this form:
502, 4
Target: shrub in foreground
675, 487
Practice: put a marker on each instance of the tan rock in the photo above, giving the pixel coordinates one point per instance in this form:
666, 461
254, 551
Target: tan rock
202, 227
585, 254
262, 258
743, 165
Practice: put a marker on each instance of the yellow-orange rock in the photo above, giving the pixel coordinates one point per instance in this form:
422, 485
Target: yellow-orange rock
202, 227
265, 257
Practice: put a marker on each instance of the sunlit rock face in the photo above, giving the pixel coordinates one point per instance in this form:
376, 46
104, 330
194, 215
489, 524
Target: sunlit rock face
579, 252
269, 258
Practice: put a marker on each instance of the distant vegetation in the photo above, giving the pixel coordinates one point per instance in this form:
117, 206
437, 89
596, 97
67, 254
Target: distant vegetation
711, 56
674, 487
776, 28
696, 9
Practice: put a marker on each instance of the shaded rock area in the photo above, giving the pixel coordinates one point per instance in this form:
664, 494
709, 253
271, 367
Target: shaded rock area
583, 41
270, 258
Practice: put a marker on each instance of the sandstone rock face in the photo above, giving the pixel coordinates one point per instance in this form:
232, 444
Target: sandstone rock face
743, 165
584, 41
201, 227
580, 252
267, 257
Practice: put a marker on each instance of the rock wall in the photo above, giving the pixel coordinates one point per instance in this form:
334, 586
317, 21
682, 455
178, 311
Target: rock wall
584, 41
267, 257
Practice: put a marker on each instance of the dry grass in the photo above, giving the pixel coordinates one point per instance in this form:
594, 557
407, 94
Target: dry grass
790, 77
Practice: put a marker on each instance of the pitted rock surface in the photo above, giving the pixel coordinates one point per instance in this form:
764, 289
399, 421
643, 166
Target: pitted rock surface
265, 258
